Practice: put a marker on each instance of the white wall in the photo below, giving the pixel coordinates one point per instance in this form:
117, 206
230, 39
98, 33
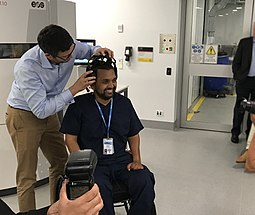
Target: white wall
150, 89
63, 13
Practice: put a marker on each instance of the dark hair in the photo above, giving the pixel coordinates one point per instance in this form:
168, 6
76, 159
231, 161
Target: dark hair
102, 62
52, 39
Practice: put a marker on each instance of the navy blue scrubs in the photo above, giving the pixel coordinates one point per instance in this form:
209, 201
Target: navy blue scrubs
83, 119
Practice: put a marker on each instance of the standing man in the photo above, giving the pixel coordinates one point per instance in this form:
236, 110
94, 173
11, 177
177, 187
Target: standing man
243, 68
105, 122
36, 96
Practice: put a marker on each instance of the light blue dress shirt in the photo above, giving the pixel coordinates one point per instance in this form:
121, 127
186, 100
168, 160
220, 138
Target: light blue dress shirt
252, 68
38, 85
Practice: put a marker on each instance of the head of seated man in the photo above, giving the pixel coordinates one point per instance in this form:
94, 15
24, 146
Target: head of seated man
105, 70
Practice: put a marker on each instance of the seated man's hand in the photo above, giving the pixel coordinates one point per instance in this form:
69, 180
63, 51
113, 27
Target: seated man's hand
134, 166
89, 203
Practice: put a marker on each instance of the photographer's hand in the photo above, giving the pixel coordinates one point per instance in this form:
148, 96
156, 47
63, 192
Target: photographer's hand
89, 203
253, 118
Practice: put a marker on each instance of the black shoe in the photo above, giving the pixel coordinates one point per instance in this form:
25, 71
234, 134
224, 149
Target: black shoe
234, 138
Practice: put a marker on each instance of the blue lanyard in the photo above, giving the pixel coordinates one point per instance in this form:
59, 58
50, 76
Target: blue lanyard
110, 117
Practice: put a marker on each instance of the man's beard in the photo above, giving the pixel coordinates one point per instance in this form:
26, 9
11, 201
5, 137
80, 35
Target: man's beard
105, 95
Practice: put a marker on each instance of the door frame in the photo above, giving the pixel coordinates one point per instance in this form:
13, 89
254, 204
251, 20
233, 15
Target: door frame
211, 70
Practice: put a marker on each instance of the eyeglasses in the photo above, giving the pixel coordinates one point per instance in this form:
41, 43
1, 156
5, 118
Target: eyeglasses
68, 56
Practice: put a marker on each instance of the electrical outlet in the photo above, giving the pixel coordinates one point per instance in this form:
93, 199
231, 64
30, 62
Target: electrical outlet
167, 43
168, 71
159, 113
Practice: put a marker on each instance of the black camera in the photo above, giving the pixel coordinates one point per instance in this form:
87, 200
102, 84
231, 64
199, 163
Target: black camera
79, 170
248, 106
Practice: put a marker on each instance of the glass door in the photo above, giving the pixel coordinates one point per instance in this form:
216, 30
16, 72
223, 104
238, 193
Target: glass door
213, 30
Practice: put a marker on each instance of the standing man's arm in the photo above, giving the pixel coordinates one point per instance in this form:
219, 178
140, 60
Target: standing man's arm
87, 51
236, 65
134, 144
105, 51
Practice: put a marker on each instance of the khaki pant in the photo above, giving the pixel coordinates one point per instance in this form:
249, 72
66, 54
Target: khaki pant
28, 133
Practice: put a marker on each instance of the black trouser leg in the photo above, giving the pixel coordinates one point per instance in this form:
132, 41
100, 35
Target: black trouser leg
103, 179
243, 90
5, 209
237, 119
141, 188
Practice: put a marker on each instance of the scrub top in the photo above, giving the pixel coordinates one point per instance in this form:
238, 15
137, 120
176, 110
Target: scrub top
83, 119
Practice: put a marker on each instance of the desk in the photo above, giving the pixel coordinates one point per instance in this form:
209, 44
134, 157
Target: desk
123, 89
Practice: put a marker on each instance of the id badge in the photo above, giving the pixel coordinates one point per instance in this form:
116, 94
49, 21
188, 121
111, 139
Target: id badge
108, 146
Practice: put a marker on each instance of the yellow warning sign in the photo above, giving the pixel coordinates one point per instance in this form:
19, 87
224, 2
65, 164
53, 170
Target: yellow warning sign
211, 51
144, 59
211, 54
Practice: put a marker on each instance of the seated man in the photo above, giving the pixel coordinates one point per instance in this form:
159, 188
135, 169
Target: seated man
105, 122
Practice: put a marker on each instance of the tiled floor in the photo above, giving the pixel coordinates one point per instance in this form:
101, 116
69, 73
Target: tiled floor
213, 110
195, 174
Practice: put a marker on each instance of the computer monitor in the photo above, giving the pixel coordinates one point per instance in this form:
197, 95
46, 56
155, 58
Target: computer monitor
84, 61
14, 50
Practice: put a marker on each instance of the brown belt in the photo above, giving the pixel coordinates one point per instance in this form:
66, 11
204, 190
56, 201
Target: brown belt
19, 109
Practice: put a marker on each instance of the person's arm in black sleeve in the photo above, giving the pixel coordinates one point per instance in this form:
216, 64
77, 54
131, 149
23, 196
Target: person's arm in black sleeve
236, 65
5, 209
42, 211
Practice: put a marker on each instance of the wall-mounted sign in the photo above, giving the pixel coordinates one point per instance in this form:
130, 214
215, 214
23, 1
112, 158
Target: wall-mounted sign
3, 3
38, 5
211, 52
145, 54
197, 53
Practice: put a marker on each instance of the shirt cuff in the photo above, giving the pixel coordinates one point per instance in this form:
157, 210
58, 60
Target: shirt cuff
67, 96
95, 48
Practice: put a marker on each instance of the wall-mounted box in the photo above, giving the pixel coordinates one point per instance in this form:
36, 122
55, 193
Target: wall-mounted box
167, 43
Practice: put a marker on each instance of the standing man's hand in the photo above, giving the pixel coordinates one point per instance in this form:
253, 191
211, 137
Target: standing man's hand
105, 51
84, 81
89, 203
